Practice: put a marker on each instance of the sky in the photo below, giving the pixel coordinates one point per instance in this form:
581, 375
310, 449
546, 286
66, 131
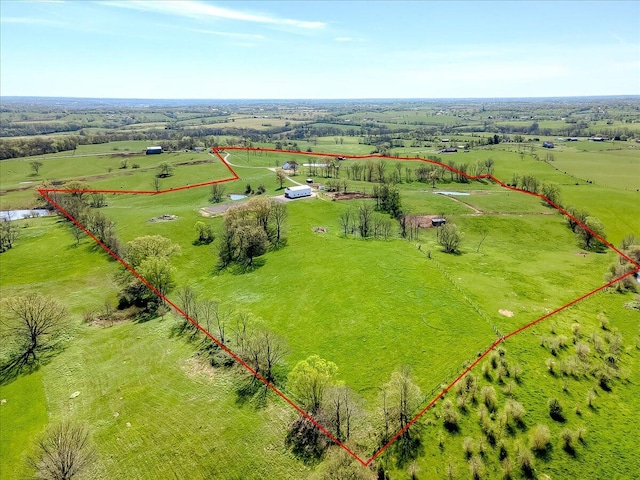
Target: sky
318, 49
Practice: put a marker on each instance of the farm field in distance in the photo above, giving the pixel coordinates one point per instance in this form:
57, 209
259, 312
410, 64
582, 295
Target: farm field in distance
387, 309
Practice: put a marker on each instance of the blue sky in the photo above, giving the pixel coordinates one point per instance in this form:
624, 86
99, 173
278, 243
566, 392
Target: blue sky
325, 49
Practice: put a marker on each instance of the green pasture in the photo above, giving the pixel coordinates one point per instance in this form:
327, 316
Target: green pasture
609, 448
614, 169
369, 306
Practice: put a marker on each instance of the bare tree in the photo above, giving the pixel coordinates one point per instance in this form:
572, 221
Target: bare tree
35, 322
279, 215
365, 214
346, 221
63, 453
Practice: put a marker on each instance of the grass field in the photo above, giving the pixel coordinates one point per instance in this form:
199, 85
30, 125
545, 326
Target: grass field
369, 306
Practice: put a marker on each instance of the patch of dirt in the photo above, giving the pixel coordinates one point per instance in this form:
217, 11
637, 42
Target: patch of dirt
195, 162
582, 254
320, 229
424, 221
506, 313
115, 318
198, 369
163, 218
349, 195
214, 210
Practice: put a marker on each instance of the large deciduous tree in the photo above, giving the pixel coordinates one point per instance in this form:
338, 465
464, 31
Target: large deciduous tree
150, 255
34, 323
400, 399
63, 453
310, 379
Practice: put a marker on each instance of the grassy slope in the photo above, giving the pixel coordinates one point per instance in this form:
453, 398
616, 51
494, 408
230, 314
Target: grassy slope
72, 266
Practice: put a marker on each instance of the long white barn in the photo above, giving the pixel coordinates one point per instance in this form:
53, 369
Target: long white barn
297, 191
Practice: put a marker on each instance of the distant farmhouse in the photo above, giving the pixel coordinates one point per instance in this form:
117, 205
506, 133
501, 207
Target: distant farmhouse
291, 165
155, 150
449, 150
548, 145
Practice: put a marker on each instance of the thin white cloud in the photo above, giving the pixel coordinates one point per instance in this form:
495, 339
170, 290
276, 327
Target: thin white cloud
248, 36
29, 21
347, 39
199, 10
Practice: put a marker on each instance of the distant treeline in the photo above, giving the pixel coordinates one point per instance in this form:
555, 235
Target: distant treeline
380, 136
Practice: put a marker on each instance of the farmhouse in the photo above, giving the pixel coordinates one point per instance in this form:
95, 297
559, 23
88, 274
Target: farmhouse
290, 165
297, 191
155, 150
449, 150
548, 145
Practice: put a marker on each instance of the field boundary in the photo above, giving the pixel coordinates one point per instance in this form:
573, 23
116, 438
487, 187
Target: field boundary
45, 193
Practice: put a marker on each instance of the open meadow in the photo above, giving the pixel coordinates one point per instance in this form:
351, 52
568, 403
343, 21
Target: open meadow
159, 400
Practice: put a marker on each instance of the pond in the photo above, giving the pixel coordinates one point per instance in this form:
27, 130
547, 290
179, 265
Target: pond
20, 214
455, 194
235, 196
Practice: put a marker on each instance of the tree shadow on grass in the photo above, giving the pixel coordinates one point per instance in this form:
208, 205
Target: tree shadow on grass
20, 363
242, 268
252, 393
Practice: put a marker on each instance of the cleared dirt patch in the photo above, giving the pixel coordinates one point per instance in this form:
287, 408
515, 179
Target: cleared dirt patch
198, 369
163, 218
349, 195
506, 313
424, 221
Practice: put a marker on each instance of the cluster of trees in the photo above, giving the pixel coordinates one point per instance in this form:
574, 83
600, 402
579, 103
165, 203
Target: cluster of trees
84, 207
249, 230
365, 222
26, 147
630, 246
587, 239
259, 348
150, 256
387, 197
530, 183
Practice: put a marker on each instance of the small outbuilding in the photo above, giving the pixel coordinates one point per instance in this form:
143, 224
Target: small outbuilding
438, 222
548, 145
298, 191
155, 150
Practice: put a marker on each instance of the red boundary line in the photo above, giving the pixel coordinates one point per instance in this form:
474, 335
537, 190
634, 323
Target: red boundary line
45, 193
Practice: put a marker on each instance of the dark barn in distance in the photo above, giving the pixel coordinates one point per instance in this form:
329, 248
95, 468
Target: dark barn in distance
154, 150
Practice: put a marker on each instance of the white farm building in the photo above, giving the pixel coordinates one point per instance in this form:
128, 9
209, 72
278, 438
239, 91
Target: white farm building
297, 191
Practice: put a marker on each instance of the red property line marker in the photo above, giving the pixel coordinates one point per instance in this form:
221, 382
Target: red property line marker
216, 151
